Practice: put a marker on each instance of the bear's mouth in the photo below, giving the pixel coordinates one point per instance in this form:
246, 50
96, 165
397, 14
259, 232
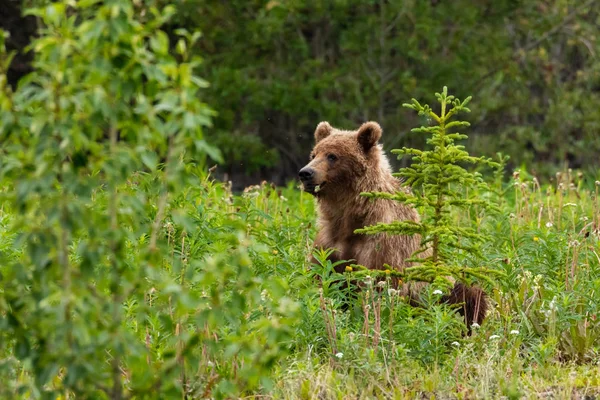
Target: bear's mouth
313, 188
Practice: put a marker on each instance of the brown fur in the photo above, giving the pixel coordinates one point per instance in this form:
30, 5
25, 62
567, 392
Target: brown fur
344, 164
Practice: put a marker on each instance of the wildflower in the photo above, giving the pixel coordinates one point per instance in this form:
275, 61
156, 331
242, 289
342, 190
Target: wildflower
514, 332
437, 291
455, 344
597, 183
348, 268
573, 374
570, 205
494, 337
350, 336
264, 295
339, 355
282, 198
392, 292
275, 252
475, 325
549, 224
387, 272
536, 239
381, 284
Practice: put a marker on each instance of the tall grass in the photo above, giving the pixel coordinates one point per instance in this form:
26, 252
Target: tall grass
541, 336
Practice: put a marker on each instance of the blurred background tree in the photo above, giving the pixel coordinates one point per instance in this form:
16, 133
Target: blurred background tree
278, 67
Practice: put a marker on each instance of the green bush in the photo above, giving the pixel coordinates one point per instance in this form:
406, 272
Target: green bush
127, 275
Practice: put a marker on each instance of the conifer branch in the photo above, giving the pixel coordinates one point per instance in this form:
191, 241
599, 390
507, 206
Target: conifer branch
440, 185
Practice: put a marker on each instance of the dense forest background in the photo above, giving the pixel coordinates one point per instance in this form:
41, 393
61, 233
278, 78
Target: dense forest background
277, 68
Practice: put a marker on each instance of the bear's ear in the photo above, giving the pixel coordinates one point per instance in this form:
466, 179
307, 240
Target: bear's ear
368, 135
323, 130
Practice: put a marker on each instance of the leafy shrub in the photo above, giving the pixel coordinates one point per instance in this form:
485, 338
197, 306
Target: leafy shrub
130, 276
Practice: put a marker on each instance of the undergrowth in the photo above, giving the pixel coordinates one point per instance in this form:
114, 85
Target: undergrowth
244, 256
128, 272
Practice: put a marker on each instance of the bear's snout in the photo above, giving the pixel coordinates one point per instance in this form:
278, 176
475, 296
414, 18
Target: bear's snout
306, 174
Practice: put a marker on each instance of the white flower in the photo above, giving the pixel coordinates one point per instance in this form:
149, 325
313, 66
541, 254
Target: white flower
475, 325
549, 224
570, 205
514, 332
455, 344
339, 355
437, 291
494, 337
264, 295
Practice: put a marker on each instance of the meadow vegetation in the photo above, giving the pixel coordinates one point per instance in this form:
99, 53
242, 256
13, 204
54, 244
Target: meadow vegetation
128, 271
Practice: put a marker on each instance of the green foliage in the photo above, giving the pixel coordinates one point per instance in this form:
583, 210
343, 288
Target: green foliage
110, 289
278, 67
440, 184
126, 271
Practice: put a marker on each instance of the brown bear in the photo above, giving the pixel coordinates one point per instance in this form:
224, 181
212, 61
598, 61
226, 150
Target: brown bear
342, 165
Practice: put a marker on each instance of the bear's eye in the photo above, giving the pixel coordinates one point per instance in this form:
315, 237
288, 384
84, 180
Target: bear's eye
312, 156
332, 157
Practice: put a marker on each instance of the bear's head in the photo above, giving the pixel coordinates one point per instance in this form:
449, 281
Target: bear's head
340, 158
